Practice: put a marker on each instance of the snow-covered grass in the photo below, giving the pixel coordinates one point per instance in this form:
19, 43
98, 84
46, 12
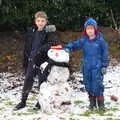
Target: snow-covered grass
10, 94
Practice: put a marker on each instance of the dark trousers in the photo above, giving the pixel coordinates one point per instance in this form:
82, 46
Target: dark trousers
29, 80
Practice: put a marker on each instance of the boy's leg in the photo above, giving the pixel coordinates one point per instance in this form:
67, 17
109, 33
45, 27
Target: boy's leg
98, 88
40, 59
92, 100
42, 77
28, 83
87, 77
100, 102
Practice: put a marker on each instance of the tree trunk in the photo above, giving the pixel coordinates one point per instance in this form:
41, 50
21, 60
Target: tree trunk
0, 2
113, 19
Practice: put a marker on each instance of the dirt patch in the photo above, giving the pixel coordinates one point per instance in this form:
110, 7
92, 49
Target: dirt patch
11, 51
12, 44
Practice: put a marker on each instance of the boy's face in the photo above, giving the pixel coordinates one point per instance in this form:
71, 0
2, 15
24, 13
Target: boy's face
90, 30
40, 23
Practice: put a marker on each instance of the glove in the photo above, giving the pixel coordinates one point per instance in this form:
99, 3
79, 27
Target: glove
30, 59
81, 67
104, 70
43, 66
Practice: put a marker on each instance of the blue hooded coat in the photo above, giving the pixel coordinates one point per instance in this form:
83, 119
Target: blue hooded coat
95, 57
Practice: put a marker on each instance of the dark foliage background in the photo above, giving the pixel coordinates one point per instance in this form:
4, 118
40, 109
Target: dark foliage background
65, 14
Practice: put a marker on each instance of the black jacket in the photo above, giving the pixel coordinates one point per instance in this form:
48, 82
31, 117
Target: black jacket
49, 39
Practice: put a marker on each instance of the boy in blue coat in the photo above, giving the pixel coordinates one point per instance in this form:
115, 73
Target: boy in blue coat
95, 62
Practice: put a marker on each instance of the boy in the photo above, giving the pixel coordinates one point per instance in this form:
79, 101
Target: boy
95, 62
38, 42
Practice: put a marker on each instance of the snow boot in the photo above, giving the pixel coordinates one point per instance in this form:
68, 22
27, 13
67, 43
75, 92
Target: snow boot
92, 105
101, 105
100, 102
22, 104
37, 106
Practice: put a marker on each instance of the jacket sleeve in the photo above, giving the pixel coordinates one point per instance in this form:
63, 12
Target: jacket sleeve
73, 46
51, 40
27, 46
105, 53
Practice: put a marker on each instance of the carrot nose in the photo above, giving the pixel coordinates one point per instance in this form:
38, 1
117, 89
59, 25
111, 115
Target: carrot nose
56, 54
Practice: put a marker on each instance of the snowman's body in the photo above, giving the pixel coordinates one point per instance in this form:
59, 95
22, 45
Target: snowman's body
56, 90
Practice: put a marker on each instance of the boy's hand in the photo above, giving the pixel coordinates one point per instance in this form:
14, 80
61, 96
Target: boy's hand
66, 50
104, 70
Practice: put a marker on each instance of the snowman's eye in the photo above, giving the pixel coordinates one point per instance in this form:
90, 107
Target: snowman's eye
52, 51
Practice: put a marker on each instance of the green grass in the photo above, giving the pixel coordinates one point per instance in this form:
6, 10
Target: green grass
77, 102
33, 98
118, 103
107, 103
113, 119
1, 58
37, 119
88, 113
29, 112
72, 119
2, 100
9, 103
21, 114
33, 111
2, 109
114, 109
109, 114
114, 49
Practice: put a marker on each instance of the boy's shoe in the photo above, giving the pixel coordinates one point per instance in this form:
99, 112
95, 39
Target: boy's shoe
92, 105
101, 105
37, 106
102, 108
20, 105
91, 108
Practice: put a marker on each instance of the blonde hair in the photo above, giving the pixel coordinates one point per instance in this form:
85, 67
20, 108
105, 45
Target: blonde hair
41, 14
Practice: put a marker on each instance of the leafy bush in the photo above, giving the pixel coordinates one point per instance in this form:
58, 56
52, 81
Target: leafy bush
67, 15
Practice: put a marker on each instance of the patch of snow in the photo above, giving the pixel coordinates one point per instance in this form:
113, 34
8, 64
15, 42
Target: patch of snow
11, 88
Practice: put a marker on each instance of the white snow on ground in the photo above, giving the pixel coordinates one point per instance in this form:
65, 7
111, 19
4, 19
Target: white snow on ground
10, 94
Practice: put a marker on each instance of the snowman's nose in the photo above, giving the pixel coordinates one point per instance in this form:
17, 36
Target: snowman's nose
56, 54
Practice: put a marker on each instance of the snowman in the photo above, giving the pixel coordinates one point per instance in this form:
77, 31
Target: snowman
55, 92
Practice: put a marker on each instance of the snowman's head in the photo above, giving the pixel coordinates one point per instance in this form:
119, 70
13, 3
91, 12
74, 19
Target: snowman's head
58, 55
